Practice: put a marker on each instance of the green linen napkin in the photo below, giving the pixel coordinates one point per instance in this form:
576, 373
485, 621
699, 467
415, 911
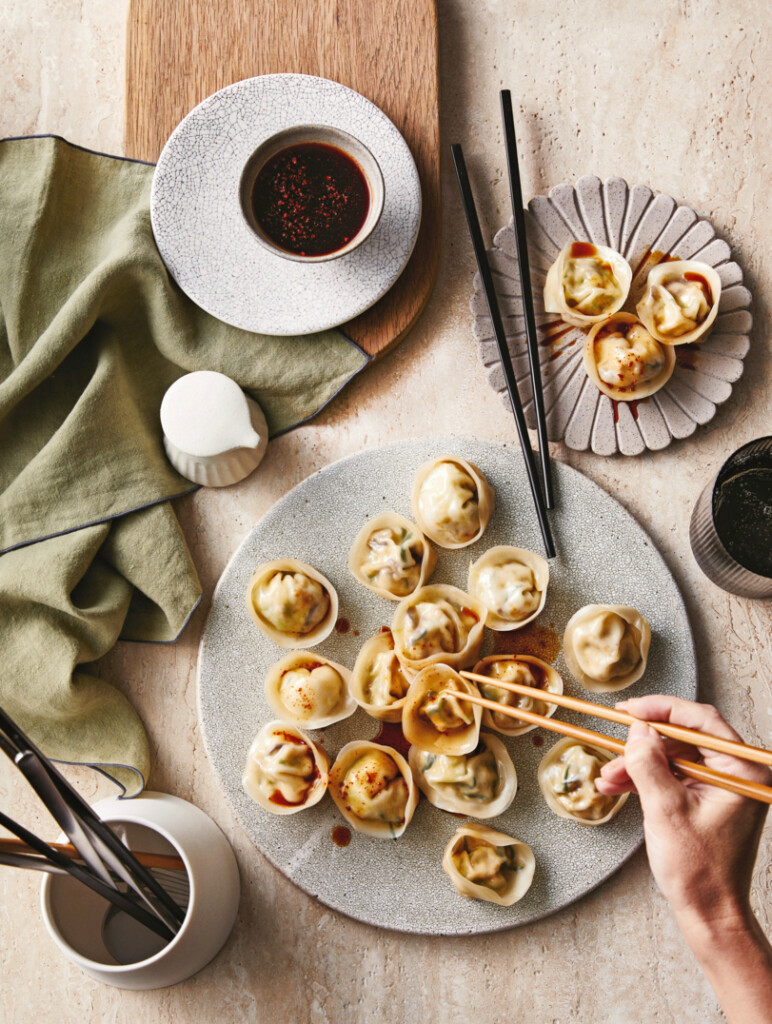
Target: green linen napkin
92, 332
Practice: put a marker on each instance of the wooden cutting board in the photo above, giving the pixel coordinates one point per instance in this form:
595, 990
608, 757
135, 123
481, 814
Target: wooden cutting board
181, 51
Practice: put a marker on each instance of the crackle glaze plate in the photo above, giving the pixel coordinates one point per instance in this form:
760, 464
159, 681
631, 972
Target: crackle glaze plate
645, 227
603, 557
206, 242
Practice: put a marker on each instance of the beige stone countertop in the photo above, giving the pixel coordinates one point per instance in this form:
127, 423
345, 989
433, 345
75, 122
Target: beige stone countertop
674, 93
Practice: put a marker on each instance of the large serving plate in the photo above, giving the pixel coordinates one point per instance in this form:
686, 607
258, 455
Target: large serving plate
603, 556
637, 222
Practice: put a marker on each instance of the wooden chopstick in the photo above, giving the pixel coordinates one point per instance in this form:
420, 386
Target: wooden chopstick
674, 732
743, 787
149, 860
478, 245
526, 292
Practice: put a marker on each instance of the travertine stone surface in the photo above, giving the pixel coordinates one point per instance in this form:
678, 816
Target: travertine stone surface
671, 93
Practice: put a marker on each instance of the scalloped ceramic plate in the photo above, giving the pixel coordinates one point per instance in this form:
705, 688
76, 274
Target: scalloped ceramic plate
400, 884
636, 222
204, 238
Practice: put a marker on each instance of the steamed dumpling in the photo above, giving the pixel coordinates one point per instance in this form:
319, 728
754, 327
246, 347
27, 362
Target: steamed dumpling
309, 690
624, 361
481, 784
680, 302
391, 556
567, 775
487, 865
452, 501
438, 623
373, 788
285, 771
292, 603
587, 283
378, 683
511, 583
606, 646
436, 721
524, 670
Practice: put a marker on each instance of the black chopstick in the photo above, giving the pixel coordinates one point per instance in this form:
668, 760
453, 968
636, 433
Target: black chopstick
498, 330
521, 240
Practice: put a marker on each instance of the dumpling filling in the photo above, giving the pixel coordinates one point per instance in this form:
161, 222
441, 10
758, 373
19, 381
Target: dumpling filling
374, 789
513, 672
284, 769
679, 305
606, 646
627, 359
432, 628
448, 501
590, 284
485, 864
393, 561
311, 692
386, 682
509, 590
444, 711
292, 602
470, 776
572, 780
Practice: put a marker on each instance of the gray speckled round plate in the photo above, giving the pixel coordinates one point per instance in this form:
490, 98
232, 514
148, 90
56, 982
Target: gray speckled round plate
637, 223
214, 255
603, 556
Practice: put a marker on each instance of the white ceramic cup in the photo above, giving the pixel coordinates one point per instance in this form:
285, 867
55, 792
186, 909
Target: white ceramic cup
156, 823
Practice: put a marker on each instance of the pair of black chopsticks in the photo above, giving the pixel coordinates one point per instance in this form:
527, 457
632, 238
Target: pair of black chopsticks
109, 868
541, 489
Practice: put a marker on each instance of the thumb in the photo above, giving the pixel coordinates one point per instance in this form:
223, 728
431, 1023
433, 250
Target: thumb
647, 765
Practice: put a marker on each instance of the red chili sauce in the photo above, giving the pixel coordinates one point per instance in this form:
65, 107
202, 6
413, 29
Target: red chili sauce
311, 199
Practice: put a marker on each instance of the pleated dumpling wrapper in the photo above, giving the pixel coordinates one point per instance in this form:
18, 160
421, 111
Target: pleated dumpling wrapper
292, 603
309, 690
567, 775
378, 684
606, 646
452, 501
680, 301
624, 362
482, 784
391, 556
285, 772
587, 283
486, 865
525, 670
373, 788
435, 721
512, 584
438, 623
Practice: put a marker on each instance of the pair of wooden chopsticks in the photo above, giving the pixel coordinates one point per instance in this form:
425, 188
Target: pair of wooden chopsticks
148, 860
540, 490
744, 787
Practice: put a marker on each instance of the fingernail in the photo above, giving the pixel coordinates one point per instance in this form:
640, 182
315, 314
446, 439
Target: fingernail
639, 731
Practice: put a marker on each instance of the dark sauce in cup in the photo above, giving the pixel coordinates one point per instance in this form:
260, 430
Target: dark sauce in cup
311, 199
742, 511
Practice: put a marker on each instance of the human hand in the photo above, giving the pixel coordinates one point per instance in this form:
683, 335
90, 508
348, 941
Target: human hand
701, 841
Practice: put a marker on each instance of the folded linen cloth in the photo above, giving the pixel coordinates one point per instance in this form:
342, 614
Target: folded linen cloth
92, 332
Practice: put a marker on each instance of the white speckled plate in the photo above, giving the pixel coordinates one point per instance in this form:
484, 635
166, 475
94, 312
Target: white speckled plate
215, 256
603, 556
635, 221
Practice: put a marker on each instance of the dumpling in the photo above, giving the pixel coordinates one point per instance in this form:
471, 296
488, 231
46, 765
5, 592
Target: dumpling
606, 646
438, 623
512, 584
680, 301
373, 788
623, 360
452, 501
567, 775
587, 283
285, 772
487, 865
378, 684
391, 556
526, 671
309, 690
434, 720
292, 603
481, 784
